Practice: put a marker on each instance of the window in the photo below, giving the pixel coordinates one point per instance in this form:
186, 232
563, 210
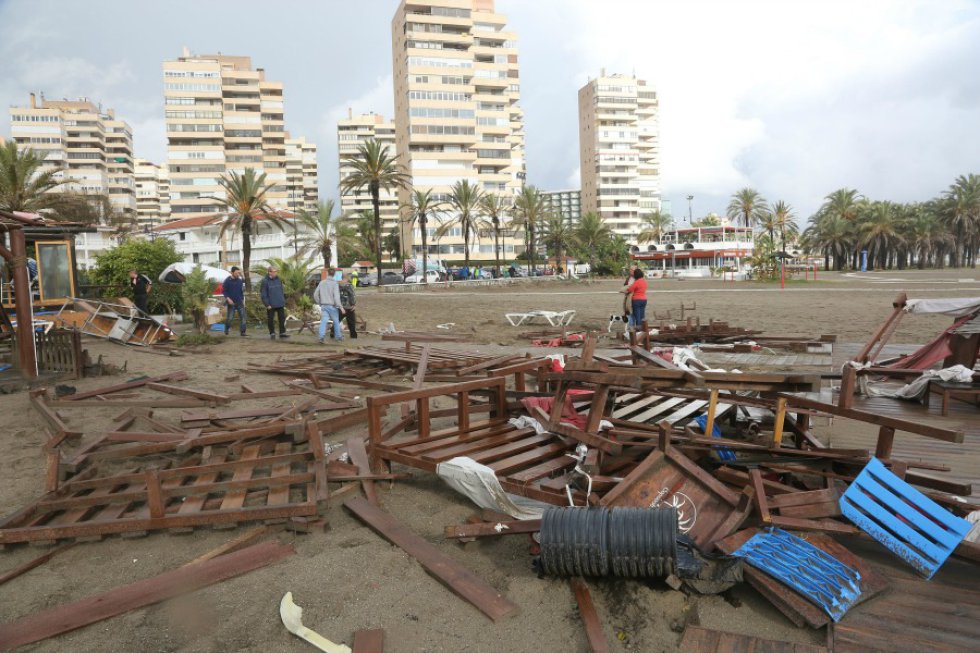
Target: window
449, 130
427, 112
438, 62
443, 96
199, 74
184, 86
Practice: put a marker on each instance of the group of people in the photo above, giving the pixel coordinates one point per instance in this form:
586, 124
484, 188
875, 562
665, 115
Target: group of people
334, 295
635, 300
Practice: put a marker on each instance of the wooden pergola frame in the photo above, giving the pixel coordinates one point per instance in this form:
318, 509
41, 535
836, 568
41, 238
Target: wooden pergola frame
16, 257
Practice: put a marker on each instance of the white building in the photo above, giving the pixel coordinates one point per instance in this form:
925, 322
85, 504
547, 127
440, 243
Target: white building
90, 245
198, 240
698, 251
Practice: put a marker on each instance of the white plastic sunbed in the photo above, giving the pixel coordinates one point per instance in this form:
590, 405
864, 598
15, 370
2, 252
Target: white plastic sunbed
554, 318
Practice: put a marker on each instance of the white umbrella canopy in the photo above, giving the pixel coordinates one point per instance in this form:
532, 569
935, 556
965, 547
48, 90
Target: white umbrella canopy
183, 268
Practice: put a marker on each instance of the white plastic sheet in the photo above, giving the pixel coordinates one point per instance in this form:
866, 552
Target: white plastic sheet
480, 484
955, 307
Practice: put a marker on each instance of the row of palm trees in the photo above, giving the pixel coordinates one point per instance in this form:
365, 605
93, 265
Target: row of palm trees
942, 231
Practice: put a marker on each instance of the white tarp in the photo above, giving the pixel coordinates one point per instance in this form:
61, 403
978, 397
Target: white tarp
480, 484
953, 307
918, 387
213, 274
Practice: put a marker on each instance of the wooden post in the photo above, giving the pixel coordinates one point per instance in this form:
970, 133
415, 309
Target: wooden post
847, 382
154, 495
17, 258
712, 405
886, 438
777, 430
463, 411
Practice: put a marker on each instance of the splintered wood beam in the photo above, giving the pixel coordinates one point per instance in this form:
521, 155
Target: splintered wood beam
508, 526
174, 376
358, 456
65, 618
189, 392
446, 570
590, 618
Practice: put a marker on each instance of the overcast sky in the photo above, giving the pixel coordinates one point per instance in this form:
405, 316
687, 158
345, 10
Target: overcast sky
795, 98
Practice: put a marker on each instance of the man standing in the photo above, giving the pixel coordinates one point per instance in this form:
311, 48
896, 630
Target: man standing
348, 301
140, 284
354, 277
327, 295
274, 298
234, 291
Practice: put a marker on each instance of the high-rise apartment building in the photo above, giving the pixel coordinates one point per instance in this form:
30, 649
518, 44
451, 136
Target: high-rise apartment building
221, 115
568, 203
85, 142
353, 132
457, 113
619, 151
301, 174
152, 193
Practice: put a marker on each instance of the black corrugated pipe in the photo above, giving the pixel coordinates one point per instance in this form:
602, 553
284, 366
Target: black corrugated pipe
624, 542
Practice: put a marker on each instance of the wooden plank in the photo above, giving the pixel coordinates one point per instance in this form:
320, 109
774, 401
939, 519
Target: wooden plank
508, 526
703, 640
189, 392
457, 578
231, 545
31, 564
358, 456
369, 641
590, 618
422, 366
78, 614
173, 376
279, 495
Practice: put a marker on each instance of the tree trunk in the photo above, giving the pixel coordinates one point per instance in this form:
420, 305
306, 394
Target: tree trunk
325, 253
425, 249
466, 244
247, 254
376, 203
496, 244
531, 251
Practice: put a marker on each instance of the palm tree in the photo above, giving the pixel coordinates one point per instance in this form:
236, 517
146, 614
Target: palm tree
322, 231
557, 233
245, 201
961, 214
373, 167
748, 205
23, 185
844, 203
590, 233
495, 207
880, 231
423, 206
530, 209
832, 236
294, 272
367, 238
783, 219
653, 226
464, 200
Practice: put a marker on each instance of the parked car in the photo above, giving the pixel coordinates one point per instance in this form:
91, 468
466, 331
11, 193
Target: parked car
432, 276
390, 277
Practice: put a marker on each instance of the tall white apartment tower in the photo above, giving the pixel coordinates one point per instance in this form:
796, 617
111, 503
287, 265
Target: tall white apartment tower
619, 151
221, 115
457, 113
87, 143
152, 193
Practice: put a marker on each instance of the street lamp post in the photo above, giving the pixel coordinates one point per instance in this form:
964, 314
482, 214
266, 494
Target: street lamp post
690, 213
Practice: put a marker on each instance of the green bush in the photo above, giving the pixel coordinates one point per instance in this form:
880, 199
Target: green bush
150, 257
195, 292
188, 339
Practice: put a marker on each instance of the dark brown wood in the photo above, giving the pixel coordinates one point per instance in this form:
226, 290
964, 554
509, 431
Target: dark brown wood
189, 392
449, 572
420, 370
508, 526
847, 383
173, 376
760, 496
71, 616
590, 618
704, 640
358, 456
31, 564
369, 641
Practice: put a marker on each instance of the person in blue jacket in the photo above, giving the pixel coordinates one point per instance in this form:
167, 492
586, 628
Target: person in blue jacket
234, 291
274, 298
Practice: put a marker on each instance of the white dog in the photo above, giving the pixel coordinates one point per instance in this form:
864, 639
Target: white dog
622, 319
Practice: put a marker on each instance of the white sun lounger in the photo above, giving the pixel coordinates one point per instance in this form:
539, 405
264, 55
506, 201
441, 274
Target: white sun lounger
554, 318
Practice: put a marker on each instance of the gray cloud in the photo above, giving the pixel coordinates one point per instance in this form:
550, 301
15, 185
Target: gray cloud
794, 99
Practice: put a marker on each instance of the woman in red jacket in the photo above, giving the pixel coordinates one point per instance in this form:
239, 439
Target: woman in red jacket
637, 290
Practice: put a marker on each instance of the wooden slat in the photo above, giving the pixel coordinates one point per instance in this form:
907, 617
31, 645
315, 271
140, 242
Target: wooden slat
236, 498
66, 618
449, 572
590, 618
369, 641
358, 456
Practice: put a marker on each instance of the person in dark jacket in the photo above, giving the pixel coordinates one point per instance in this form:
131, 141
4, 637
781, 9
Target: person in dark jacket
234, 291
140, 284
348, 301
274, 298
